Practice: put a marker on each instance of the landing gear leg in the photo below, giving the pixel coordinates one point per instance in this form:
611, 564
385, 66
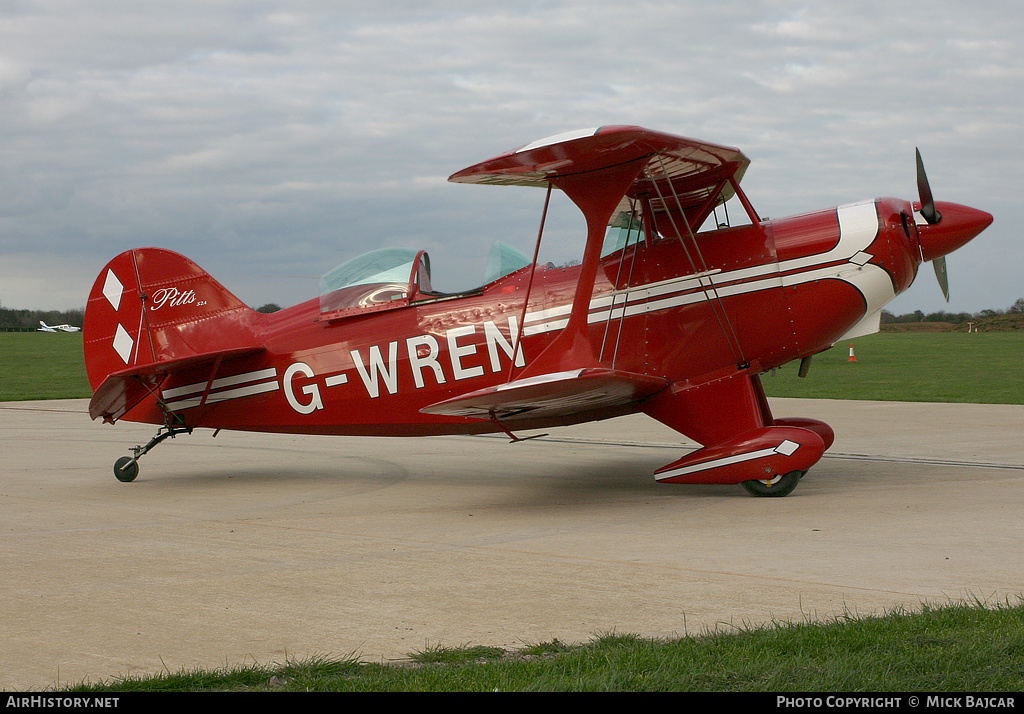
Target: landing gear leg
776, 487
126, 468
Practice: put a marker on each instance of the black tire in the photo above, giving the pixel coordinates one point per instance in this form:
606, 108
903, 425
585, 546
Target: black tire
783, 487
126, 469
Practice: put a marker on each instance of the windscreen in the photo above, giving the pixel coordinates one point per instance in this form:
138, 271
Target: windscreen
371, 279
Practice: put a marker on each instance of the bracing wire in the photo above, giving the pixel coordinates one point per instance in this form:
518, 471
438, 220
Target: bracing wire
727, 328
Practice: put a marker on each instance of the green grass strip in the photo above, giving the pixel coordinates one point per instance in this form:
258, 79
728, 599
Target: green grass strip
959, 647
980, 368
42, 365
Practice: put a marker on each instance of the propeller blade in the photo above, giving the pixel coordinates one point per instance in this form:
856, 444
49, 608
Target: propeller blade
928, 211
940, 272
931, 217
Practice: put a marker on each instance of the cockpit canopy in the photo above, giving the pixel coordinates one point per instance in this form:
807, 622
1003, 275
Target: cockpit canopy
389, 278
372, 279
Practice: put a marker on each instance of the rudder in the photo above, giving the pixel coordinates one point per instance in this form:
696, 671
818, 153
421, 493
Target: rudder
149, 306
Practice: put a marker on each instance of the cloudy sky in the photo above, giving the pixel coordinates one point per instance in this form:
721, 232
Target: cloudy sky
270, 141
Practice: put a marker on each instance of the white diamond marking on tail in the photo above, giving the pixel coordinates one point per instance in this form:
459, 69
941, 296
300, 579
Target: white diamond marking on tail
123, 344
112, 289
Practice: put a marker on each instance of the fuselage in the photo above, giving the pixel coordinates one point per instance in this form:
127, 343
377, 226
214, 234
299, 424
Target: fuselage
679, 309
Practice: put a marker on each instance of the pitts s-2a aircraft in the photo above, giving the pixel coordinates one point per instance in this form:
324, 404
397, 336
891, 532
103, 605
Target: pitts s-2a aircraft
659, 317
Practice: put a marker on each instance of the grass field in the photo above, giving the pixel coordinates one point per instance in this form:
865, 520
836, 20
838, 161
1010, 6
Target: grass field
42, 365
983, 368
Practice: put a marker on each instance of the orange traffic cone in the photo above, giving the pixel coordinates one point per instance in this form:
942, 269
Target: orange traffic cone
852, 358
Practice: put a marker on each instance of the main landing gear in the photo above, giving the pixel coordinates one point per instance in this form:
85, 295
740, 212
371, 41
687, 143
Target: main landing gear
126, 468
776, 487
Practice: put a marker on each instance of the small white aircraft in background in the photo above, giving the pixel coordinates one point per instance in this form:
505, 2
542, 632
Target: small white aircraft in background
57, 328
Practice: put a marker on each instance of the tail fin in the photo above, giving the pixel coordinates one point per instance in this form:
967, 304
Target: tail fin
149, 310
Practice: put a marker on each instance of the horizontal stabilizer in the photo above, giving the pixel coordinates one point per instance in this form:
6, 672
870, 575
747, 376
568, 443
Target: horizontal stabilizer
122, 390
556, 394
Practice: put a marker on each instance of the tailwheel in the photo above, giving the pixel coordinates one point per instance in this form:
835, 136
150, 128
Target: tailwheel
126, 469
776, 487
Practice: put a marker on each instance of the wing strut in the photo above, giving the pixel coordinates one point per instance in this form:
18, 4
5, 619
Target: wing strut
596, 194
716, 304
618, 281
529, 286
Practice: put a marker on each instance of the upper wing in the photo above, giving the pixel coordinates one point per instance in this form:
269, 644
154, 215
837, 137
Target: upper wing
680, 173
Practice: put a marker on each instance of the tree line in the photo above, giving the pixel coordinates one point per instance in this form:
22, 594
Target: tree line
955, 318
19, 320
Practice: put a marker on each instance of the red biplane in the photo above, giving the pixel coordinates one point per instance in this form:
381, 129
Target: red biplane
669, 313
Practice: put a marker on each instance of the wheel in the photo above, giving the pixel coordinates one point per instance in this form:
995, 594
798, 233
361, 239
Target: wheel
126, 469
777, 487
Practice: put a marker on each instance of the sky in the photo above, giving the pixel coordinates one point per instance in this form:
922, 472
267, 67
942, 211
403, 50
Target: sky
270, 141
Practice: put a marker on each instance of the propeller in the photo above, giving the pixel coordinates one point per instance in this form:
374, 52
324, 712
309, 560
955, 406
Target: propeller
931, 216
940, 272
928, 212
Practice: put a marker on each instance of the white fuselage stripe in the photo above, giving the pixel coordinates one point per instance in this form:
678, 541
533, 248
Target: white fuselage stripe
846, 261
221, 382
191, 395
225, 395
